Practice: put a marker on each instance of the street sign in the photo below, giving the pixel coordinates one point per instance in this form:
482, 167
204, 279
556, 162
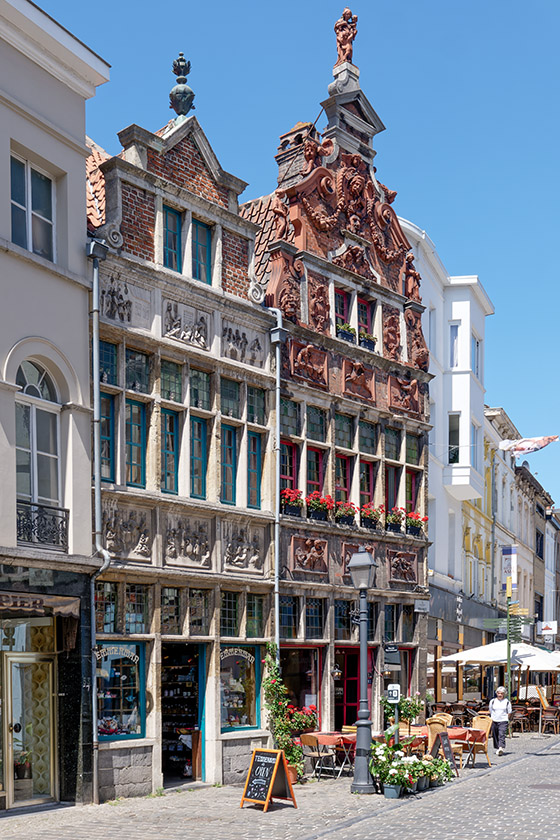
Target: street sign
393, 693
509, 566
547, 628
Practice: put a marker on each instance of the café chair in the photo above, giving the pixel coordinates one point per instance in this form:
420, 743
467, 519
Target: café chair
550, 718
435, 726
444, 717
321, 755
485, 723
519, 718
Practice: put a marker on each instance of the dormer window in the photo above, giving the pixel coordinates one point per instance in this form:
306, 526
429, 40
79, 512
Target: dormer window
171, 239
201, 252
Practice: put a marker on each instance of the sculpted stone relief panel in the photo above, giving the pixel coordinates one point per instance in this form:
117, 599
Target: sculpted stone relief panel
187, 541
404, 394
391, 333
402, 566
124, 303
283, 290
127, 531
243, 548
309, 362
358, 379
319, 307
185, 323
309, 554
418, 352
242, 344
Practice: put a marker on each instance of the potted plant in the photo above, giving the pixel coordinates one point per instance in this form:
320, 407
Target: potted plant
318, 506
415, 523
367, 340
291, 501
344, 513
424, 769
440, 771
394, 519
302, 720
370, 516
347, 332
280, 720
22, 764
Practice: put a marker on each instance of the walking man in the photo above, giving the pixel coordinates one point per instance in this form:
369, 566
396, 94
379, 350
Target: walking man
500, 710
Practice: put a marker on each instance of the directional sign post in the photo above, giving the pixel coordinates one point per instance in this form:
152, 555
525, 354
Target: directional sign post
393, 696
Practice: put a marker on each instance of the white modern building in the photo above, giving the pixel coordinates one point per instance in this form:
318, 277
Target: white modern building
46, 563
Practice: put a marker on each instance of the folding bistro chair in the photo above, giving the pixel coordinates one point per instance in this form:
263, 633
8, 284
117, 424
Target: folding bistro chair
320, 754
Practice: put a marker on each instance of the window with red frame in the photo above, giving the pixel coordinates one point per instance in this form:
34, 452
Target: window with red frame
341, 301
391, 487
366, 482
365, 312
342, 479
412, 483
314, 470
288, 465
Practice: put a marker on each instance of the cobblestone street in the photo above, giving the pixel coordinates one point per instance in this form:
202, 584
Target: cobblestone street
517, 797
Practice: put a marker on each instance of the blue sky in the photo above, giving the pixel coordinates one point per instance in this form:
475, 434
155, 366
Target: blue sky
469, 94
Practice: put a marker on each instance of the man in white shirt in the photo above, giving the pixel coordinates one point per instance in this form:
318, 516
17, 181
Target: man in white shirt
500, 710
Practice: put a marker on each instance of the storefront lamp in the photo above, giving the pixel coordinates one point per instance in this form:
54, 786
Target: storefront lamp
336, 673
362, 569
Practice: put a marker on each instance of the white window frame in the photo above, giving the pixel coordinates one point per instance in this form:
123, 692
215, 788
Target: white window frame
52, 408
29, 212
476, 356
454, 344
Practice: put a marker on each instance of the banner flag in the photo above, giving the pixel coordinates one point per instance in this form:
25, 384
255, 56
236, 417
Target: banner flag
526, 445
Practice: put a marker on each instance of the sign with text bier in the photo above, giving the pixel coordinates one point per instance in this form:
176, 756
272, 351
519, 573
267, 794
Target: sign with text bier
267, 779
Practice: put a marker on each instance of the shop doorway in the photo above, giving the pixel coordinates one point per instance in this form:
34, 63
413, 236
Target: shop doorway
182, 694
29, 766
347, 688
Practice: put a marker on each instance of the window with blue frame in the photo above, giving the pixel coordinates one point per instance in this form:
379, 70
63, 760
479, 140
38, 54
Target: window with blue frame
239, 688
135, 444
254, 470
171, 239
121, 692
198, 458
107, 434
229, 464
107, 363
201, 252
137, 371
171, 381
169, 450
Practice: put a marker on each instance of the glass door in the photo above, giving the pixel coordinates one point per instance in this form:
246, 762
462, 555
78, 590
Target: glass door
29, 726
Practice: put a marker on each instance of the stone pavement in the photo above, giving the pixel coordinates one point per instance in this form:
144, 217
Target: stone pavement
516, 798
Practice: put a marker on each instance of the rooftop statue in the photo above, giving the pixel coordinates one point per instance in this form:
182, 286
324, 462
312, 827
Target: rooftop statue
346, 29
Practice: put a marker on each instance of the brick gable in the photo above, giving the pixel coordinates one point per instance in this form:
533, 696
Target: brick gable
184, 166
138, 219
235, 264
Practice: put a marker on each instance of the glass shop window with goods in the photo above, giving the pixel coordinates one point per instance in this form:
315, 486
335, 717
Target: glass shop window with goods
182, 687
239, 682
120, 691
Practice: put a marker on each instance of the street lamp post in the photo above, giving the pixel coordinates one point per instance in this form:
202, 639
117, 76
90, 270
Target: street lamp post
362, 568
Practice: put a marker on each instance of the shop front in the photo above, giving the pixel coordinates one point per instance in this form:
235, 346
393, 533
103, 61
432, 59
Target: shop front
301, 672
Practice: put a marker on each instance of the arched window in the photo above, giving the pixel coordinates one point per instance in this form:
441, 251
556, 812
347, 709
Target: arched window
37, 458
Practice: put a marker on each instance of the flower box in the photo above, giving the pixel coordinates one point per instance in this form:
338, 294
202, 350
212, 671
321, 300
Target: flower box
346, 335
345, 520
414, 530
393, 527
368, 343
319, 515
368, 522
291, 510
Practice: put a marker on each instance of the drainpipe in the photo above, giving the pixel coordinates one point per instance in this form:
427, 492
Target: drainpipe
277, 337
493, 532
96, 251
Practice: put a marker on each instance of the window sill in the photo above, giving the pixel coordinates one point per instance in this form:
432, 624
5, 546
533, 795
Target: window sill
130, 740
247, 732
41, 262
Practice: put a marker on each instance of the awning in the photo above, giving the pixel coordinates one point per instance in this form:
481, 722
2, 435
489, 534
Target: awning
38, 604
522, 655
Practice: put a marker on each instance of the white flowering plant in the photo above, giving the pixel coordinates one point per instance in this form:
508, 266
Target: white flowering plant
388, 762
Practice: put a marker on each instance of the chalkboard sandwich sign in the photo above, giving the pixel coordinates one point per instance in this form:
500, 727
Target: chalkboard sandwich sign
267, 779
442, 742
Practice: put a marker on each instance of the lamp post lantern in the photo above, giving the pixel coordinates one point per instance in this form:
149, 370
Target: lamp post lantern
362, 568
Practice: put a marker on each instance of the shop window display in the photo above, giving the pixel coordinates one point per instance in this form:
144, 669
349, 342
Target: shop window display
180, 711
300, 672
239, 679
120, 690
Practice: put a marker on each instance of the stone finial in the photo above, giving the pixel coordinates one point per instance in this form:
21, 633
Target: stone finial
346, 29
181, 97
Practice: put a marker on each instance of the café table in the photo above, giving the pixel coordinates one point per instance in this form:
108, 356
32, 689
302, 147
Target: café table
466, 734
344, 742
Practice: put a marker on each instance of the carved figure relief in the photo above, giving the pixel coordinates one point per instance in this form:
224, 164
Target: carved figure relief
346, 29
309, 555
308, 362
404, 394
391, 333
187, 541
358, 379
126, 532
355, 259
242, 345
186, 324
283, 290
281, 213
402, 566
319, 307
243, 549
418, 352
313, 151
348, 549
411, 279
124, 303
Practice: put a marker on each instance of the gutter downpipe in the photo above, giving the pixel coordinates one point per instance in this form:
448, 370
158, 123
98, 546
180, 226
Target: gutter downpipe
493, 532
96, 251
277, 336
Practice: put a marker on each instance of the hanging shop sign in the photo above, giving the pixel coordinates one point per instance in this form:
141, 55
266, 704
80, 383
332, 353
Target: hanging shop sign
116, 650
237, 651
268, 778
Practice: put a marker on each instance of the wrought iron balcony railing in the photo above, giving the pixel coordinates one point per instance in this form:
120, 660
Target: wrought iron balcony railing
42, 525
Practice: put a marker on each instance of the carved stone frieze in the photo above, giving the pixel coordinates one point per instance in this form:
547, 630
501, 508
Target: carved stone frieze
358, 379
348, 549
309, 554
187, 541
403, 566
283, 291
355, 259
404, 394
309, 362
242, 344
243, 548
127, 532
185, 323
418, 353
391, 333
319, 307
124, 303
313, 151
